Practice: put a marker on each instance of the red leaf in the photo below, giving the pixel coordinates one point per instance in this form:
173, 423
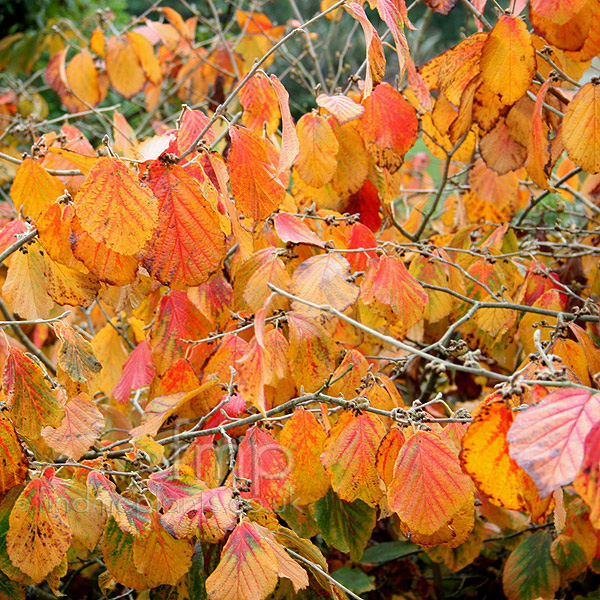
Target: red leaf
267, 464
292, 229
188, 244
389, 126
138, 371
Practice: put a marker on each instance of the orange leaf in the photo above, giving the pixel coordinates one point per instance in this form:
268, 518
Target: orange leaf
38, 536
508, 59
564, 25
304, 437
178, 320
97, 42
84, 162
13, 460
145, 53
484, 456
267, 464
323, 280
374, 47
349, 457
82, 83
259, 101
387, 454
539, 159
25, 287
251, 562
312, 352
115, 208
256, 191
316, 162
34, 189
388, 282
160, 558
131, 517
344, 109
80, 428
290, 145
389, 126
107, 265
581, 128
188, 245
352, 160
428, 485
123, 67
29, 398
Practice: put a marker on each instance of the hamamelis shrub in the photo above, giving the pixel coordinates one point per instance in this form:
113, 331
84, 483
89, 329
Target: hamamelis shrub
289, 316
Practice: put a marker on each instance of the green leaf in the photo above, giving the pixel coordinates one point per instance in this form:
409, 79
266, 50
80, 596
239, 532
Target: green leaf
345, 526
530, 572
355, 580
117, 547
386, 551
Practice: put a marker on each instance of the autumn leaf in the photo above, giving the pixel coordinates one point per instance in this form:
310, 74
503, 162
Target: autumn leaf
178, 320
250, 565
117, 546
389, 126
545, 439
115, 208
374, 48
174, 483
38, 537
508, 59
349, 456
160, 558
188, 245
346, 526
290, 145
123, 67
387, 282
580, 132
428, 485
343, 108
209, 513
312, 352
484, 444
80, 428
107, 265
259, 101
76, 355
34, 189
587, 481
29, 397
256, 191
530, 571
138, 372
267, 464
13, 461
304, 437
316, 162
292, 229
131, 517
323, 279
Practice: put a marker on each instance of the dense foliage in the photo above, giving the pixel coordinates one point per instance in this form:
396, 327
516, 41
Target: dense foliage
255, 351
